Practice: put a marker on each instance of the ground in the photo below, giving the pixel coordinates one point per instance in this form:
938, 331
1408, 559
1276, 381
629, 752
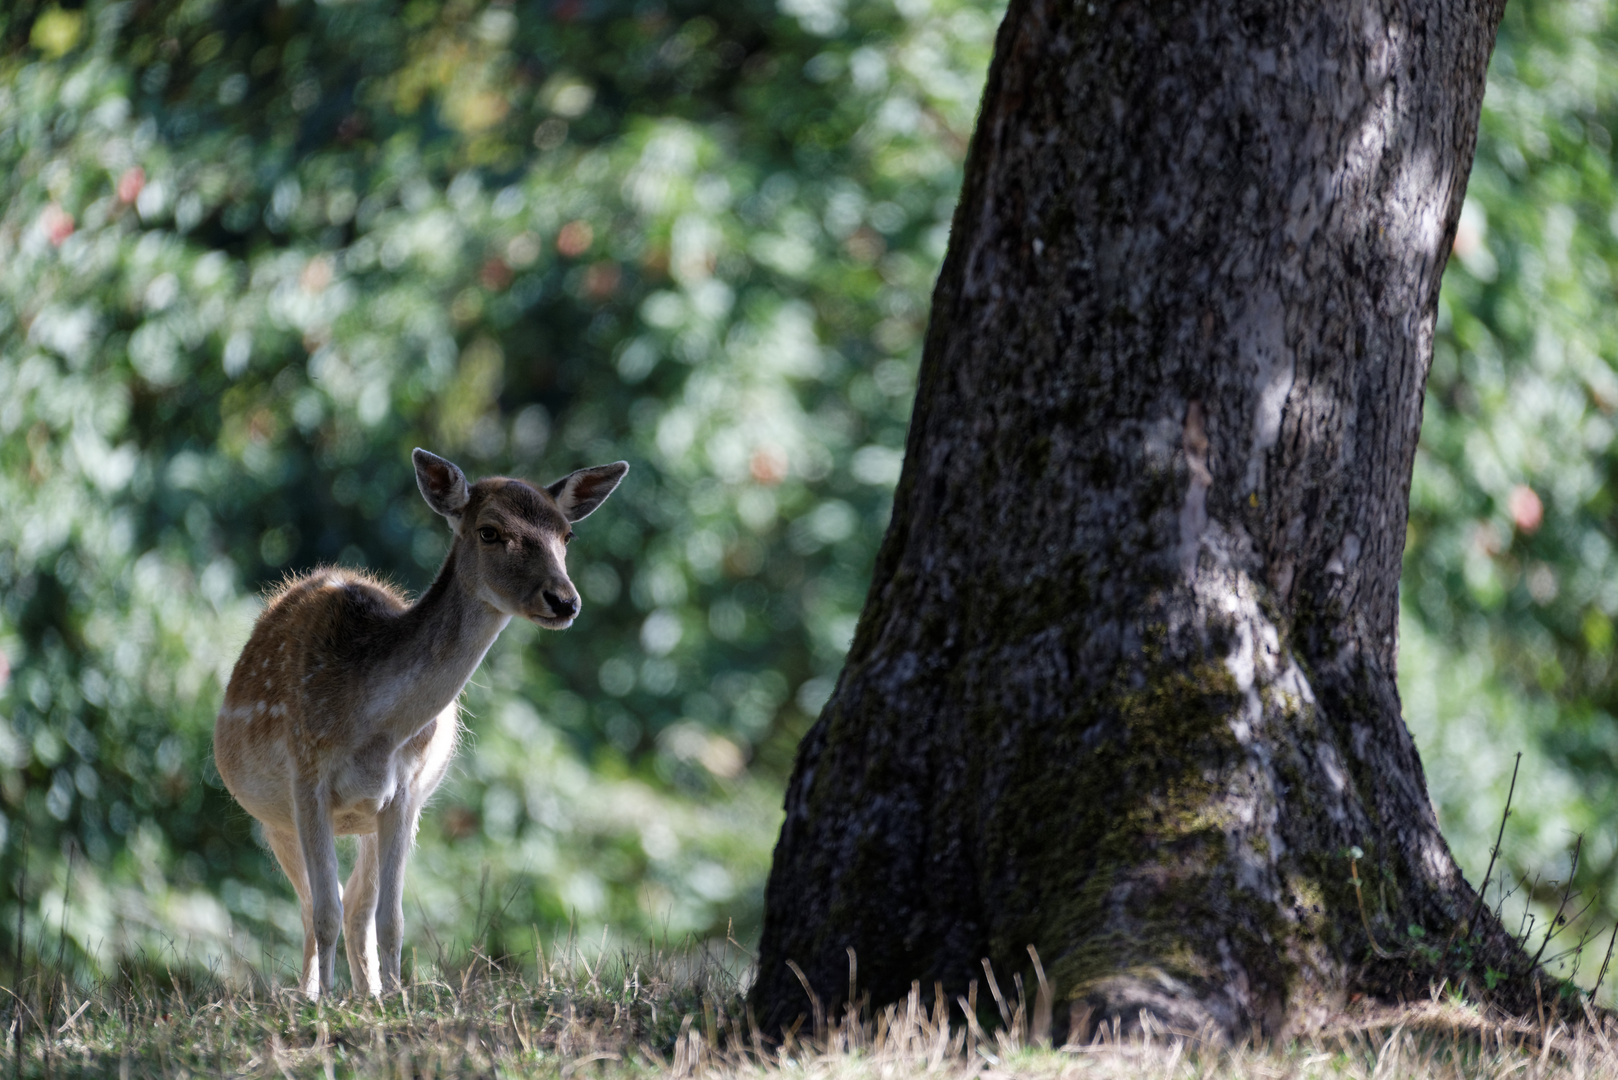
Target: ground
680, 1014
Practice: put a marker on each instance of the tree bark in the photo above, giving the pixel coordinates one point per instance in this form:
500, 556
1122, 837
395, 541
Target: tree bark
1123, 688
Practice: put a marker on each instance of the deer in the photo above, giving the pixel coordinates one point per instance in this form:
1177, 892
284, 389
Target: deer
342, 712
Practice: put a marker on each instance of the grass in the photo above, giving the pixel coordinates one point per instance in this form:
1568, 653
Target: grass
682, 1015
475, 1018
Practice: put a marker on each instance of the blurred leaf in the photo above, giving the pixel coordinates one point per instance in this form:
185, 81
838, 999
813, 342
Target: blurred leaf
251, 254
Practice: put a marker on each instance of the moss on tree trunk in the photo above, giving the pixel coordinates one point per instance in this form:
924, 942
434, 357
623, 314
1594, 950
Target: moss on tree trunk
1123, 688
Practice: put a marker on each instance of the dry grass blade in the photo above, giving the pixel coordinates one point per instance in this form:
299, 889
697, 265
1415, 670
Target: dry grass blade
661, 1014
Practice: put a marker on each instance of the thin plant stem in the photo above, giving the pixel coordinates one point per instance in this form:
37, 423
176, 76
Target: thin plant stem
1494, 853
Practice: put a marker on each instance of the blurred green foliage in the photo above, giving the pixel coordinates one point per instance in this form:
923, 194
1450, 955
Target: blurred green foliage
1511, 575
252, 253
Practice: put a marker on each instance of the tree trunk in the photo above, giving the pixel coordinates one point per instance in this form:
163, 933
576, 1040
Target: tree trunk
1123, 688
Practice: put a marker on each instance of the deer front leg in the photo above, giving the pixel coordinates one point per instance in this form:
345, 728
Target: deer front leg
319, 847
359, 919
290, 856
396, 829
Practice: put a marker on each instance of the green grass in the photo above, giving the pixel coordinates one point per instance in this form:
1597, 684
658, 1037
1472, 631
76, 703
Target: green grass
475, 1018
682, 1014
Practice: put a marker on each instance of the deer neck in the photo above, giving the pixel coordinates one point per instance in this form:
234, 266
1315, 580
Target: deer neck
445, 635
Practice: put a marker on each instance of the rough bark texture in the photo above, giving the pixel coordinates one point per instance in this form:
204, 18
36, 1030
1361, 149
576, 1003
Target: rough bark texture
1123, 688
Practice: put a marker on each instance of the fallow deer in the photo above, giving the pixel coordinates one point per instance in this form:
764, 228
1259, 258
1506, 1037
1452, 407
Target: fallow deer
341, 715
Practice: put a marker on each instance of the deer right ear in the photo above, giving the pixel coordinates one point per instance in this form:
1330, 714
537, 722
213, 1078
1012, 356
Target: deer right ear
442, 484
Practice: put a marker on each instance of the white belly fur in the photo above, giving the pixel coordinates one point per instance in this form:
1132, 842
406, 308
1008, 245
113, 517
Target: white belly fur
359, 786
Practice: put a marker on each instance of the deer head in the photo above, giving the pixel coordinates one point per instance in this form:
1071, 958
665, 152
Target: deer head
510, 545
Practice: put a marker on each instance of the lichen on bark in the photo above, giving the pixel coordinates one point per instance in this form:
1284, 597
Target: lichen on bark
1123, 686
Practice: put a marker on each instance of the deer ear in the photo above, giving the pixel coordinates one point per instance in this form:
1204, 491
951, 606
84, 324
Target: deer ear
579, 493
441, 483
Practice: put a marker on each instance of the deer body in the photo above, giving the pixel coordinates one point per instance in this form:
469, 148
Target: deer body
341, 714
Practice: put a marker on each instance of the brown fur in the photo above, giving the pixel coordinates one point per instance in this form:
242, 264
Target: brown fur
341, 714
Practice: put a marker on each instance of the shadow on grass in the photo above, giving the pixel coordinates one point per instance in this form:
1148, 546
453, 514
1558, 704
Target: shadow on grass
681, 1013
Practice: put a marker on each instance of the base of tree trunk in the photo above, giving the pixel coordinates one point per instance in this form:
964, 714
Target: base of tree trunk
1186, 842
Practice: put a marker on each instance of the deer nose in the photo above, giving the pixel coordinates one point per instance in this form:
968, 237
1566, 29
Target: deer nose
564, 609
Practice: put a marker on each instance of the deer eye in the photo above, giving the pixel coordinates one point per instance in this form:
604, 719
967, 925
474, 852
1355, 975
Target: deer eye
568, 539
488, 535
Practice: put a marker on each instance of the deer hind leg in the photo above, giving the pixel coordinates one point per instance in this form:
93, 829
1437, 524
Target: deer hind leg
319, 847
359, 919
290, 855
396, 831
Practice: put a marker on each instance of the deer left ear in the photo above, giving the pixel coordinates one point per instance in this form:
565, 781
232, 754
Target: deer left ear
579, 493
